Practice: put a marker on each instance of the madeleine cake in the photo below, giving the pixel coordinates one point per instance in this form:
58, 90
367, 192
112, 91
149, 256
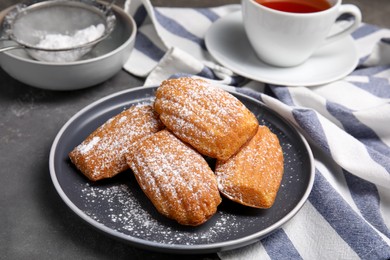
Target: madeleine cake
210, 119
252, 177
176, 178
102, 154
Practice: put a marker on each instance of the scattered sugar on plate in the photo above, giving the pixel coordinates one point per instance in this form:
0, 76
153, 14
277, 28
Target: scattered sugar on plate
122, 210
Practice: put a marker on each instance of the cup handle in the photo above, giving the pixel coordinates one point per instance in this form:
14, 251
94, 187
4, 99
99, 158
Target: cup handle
351, 10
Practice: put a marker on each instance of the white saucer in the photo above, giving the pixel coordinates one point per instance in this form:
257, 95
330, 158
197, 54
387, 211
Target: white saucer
227, 43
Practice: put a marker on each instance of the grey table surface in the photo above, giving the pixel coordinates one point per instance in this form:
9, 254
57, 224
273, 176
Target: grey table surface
34, 222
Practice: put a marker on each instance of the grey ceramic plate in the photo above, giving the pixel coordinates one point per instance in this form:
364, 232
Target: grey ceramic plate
119, 208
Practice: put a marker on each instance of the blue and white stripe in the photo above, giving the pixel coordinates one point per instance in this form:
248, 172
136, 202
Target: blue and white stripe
347, 215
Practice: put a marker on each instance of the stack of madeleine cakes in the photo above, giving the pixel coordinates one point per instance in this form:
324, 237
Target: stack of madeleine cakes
165, 145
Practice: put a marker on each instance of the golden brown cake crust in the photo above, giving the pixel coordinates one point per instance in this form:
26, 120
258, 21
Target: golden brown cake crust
210, 119
252, 177
102, 153
176, 178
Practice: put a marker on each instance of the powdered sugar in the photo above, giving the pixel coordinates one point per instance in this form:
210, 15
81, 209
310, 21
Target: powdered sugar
86, 147
123, 208
80, 37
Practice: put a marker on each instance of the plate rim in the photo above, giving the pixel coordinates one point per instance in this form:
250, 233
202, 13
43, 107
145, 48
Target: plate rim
175, 248
273, 81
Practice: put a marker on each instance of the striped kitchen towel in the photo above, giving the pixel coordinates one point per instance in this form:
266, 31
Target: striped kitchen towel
347, 123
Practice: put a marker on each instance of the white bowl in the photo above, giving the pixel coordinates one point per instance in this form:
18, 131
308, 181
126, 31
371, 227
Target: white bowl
103, 62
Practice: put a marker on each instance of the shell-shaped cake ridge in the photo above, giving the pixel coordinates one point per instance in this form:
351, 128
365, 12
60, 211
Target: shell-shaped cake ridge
204, 115
176, 178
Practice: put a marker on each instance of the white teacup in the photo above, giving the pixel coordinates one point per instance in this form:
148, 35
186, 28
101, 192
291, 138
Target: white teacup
286, 39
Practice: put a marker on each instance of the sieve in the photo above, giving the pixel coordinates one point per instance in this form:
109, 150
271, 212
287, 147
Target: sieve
30, 22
